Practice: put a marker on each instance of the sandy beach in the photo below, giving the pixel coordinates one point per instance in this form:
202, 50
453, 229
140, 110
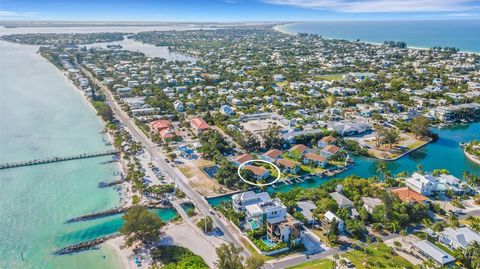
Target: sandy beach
472, 158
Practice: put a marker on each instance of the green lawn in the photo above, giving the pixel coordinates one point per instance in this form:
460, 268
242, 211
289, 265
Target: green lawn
331, 77
380, 258
316, 264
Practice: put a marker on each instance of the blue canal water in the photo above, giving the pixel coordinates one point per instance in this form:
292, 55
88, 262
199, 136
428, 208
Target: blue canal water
462, 34
443, 153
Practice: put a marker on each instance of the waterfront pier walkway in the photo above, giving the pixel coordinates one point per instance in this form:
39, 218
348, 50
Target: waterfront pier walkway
58, 159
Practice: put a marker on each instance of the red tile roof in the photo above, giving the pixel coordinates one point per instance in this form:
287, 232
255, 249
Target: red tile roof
328, 139
243, 158
408, 195
167, 133
159, 125
273, 153
199, 124
315, 157
287, 163
299, 148
259, 171
331, 149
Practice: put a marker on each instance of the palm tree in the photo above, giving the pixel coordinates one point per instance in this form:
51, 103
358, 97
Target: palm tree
472, 253
335, 258
427, 222
419, 168
403, 233
330, 100
394, 226
343, 263
382, 169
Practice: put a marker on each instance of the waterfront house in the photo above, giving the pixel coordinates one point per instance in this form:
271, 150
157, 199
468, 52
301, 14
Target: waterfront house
351, 128
455, 238
326, 140
298, 149
316, 159
258, 172
329, 151
272, 155
199, 125
341, 200
424, 184
241, 159
243, 199
370, 203
450, 182
288, 166
431, 251
271, 210
408, 195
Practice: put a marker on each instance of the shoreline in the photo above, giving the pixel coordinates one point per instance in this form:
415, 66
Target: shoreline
124, 191
283, 31
471, 157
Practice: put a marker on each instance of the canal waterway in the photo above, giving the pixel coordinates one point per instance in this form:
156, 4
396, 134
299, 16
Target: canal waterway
443, 153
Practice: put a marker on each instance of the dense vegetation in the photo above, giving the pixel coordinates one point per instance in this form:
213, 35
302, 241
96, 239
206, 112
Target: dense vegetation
177, 257
141, 225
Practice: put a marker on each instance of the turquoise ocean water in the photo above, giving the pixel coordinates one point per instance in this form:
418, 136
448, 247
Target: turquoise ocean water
462, 34
43, 115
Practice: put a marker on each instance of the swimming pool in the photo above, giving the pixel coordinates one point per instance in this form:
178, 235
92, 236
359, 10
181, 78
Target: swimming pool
268, 242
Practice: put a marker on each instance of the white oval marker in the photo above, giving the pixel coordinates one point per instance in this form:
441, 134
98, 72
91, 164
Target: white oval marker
257, 184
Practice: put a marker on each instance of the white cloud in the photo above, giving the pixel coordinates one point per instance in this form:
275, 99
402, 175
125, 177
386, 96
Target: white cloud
13, 14
373, 6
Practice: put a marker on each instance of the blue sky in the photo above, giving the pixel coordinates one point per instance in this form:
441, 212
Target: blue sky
237, 10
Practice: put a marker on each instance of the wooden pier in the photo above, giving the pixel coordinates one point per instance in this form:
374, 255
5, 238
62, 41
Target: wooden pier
57, 159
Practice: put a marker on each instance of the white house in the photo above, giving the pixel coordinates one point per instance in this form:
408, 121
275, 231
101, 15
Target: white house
178, 105
241, 200
341, 200
226, 110
458, 238
272, 155
315, 158
125, 91
329, 217
370, 203
329, 151
265, 211
431, 251
424, 184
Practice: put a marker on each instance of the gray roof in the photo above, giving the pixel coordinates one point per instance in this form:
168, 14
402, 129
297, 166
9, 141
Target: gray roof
371, 202
306, 208
341, 200
461, 236
434, 252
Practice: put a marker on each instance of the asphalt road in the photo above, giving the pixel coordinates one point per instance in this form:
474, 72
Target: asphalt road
158, 159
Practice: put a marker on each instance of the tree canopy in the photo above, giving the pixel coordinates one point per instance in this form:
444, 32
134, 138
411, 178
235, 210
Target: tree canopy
140, 224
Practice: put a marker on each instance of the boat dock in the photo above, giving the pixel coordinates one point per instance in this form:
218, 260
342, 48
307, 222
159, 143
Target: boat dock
58, 159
